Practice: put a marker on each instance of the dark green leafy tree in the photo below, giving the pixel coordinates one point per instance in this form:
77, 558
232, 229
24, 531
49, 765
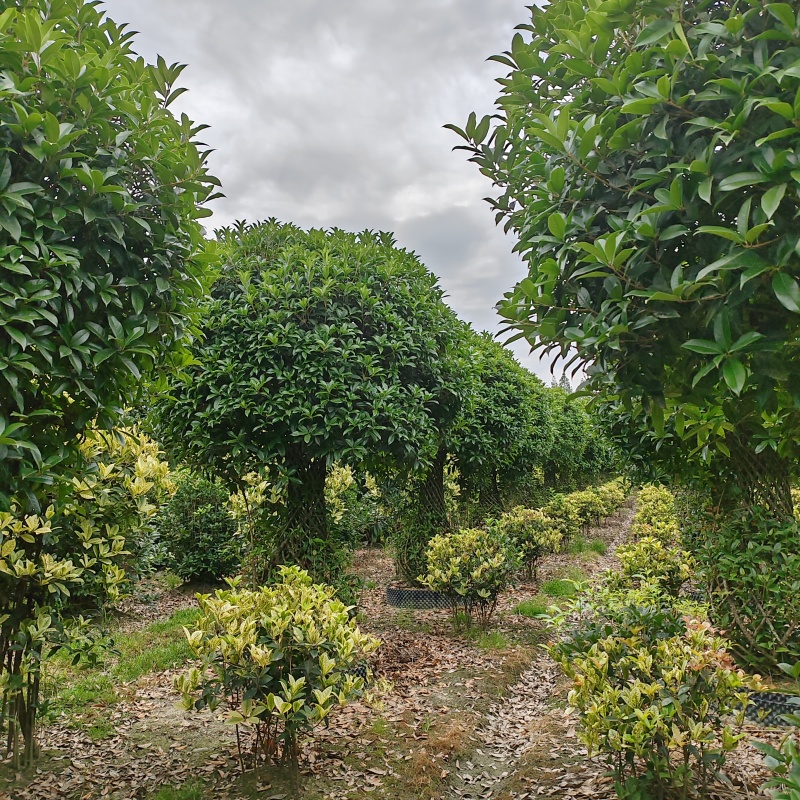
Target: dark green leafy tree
582, 452
505, 428
318, 347
101, 187
648, 159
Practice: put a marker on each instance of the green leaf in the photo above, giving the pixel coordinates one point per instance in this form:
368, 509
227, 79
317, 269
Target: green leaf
784, 13
787, 291
740, 180
705, 346
557, 224
725, 233
657, 415
772, 199
746, 340
655, 32
735, 374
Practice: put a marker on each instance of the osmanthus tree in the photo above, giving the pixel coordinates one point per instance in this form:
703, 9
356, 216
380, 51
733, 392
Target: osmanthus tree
318, 347
505, 428
101, 192
647, 156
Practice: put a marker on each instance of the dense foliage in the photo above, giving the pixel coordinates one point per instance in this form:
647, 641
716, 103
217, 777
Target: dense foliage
471, 567
657, 692
280, 659
198, 531
505, 429
100, 193
532, 533
647, 158
319, 347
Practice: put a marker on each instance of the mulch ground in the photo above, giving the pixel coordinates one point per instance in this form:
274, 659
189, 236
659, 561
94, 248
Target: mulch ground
453, 720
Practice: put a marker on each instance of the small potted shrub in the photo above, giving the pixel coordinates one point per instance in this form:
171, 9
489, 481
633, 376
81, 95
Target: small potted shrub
471, 567
280, 659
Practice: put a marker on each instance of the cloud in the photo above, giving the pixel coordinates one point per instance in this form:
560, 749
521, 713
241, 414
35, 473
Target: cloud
331, 114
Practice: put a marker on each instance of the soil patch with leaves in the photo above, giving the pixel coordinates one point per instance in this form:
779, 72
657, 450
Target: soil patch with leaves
465, 714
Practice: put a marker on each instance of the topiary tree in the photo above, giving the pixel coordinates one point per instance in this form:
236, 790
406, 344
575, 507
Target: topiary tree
199, 531
505, 428
101, 189
319, 347
647, 155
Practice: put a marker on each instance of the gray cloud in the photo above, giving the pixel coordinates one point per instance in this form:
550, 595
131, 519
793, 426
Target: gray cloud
331, 113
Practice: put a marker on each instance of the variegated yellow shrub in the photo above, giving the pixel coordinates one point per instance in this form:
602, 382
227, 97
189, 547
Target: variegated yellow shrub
280, 659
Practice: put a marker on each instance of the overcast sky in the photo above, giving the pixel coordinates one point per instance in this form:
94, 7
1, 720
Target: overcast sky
331, 114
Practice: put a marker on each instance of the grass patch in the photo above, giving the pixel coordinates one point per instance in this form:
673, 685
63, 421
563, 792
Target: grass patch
560, 587
191, 790
160, 646
490, 640
534, 607
581, 545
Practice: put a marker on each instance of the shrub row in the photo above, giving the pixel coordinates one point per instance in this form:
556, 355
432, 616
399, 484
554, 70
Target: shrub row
473, 566
656, 689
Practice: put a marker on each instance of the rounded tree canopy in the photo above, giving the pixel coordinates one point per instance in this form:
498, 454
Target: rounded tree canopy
318, 346
100, 193
505, 428
648, 153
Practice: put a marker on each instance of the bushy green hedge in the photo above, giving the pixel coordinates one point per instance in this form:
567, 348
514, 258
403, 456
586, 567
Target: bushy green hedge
656, 690
199, 531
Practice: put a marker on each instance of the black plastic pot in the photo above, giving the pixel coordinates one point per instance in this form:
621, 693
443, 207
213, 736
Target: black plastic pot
415, 598
768, 708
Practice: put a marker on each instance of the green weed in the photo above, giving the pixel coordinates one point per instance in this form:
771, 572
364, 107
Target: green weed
559, 587
581, 545
534, 607
491, 640
191, 790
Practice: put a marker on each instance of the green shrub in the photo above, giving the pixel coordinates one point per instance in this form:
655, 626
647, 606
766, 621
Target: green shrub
471, 566
612, 495
280, 658
564, 511
532, 533
199, 531
752, 568
650, 559
657, 692
590, 506
655, 515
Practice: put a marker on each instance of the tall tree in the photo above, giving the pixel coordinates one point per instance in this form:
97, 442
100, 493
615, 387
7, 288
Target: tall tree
648, 156
318, 347
101, 193
101, 188
505, 428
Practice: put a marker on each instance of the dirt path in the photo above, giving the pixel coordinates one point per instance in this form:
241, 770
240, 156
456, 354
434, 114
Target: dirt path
510, 727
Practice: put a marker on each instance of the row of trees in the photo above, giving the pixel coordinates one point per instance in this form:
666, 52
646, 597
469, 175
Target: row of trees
321, 348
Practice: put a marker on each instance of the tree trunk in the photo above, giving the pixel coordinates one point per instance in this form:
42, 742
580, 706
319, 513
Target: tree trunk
305, 537
761, 480
432, 507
